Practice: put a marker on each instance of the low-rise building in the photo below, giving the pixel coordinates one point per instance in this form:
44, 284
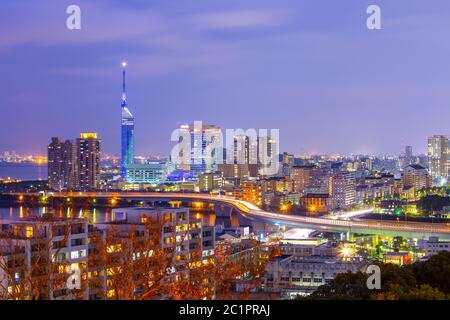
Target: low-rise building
434, 246
145, 173
305, 264
316, 202
398, 258
288, 275
211, 181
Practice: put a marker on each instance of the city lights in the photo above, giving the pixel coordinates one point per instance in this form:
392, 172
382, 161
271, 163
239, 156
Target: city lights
250, 150
347, 252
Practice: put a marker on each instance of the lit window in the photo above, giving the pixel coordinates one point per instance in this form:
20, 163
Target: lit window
29, 231
111, 293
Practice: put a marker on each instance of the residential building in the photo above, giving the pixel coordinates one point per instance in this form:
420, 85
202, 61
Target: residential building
212, 181
38, 249
438, 157
185, 239
250, 191
343, 189
434, 246
308, 179
416, 176
60, 164
87, 162
316, 202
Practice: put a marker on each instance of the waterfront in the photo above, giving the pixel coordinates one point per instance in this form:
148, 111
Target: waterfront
94, 214
23, 171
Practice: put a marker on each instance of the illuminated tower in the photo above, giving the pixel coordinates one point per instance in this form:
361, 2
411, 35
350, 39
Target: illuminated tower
127, 148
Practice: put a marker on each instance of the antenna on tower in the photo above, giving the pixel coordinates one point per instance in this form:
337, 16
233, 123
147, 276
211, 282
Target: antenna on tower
124, 93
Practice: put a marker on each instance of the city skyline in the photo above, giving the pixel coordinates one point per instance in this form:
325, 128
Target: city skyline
265, 65
218, 151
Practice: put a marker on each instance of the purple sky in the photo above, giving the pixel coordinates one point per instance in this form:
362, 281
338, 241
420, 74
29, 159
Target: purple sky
310, 68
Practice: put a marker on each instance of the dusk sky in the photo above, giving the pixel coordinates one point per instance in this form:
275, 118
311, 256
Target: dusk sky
308, 67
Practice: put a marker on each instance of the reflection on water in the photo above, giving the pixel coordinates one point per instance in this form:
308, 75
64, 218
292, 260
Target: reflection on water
94, 215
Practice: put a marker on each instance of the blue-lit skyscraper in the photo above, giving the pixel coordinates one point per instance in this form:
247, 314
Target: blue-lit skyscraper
127, 148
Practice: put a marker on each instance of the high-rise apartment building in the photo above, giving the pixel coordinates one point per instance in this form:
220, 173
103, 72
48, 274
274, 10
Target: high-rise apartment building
39, 253
87, 162
438, 157
308, 179
60, 164
343, 189
416, 176
184, 239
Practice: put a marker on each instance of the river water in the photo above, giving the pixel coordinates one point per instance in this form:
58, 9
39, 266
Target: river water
23, 171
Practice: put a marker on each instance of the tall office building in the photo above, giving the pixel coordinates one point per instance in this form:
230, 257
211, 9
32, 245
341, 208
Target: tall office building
287, 164
406, 158
438, 157
242, 158
87, 162
408, 154
242, 152
268, 155
127, 135
203, 154
60, 164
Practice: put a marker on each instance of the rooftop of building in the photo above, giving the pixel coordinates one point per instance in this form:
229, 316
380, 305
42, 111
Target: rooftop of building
281, 258
316, 195
306, 166
42, 219
416, 167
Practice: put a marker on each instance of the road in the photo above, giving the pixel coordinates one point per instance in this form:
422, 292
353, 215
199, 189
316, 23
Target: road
250, 211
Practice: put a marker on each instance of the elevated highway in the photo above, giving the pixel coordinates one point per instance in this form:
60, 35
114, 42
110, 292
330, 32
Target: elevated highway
252, 212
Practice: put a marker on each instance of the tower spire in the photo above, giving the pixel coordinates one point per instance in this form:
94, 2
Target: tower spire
124, 93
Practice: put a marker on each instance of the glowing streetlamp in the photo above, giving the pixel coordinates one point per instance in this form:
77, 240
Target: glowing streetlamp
347, 252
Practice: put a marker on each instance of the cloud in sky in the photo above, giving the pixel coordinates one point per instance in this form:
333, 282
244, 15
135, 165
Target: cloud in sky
310, 68
241, 19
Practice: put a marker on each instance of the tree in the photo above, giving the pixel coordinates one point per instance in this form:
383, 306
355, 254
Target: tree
131, 261
346, 286
30, 267
434, 272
